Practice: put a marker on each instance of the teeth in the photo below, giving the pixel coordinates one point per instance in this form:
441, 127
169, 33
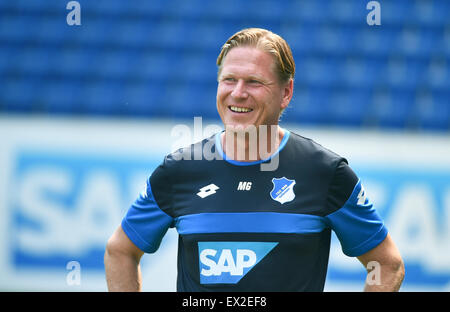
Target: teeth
240, 109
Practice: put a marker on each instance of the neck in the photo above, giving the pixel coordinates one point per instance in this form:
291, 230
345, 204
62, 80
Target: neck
251, 143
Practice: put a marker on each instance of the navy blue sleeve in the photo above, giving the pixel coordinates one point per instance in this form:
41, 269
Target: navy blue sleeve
146, 223
356, 223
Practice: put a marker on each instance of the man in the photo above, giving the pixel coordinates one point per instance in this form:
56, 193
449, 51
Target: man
242, 228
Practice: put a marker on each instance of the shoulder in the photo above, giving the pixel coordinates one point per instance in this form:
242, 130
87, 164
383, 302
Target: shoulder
324, 170
177, 171
312, 153
186, 160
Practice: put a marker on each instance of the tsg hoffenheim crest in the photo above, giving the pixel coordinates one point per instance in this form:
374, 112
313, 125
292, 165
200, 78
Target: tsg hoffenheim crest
283, 190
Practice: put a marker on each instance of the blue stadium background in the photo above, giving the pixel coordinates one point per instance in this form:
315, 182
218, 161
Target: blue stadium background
157, 59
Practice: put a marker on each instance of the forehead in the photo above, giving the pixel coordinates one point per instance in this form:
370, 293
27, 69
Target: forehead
248, 61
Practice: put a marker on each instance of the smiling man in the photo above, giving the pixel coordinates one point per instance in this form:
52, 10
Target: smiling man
255, 86
242, 228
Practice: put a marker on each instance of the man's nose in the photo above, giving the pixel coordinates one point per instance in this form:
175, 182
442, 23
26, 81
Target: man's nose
239, 90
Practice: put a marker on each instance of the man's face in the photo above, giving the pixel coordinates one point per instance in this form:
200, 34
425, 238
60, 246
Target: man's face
249, 92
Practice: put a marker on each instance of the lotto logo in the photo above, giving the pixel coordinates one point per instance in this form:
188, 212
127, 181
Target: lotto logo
361, 196
229, 262
207, 190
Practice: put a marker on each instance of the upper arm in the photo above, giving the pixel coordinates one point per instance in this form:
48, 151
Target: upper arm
355, 221
385, 253
119, 243
146, 221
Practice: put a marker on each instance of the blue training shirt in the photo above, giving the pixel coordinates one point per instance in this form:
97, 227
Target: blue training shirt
244, 229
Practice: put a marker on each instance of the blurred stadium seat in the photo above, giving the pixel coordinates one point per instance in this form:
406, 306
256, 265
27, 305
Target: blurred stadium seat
157, 59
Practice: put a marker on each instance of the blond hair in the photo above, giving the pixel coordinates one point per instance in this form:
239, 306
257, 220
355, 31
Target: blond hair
266, 41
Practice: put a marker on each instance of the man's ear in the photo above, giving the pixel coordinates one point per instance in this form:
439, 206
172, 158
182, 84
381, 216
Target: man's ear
287, 93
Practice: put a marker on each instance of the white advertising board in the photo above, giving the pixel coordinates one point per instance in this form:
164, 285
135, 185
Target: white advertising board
65, 185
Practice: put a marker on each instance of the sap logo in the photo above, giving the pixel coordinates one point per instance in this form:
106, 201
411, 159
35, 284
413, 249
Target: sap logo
229, 262
65, 206
244, 186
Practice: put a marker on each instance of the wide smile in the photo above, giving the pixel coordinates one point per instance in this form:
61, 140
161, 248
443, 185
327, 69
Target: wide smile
240, 110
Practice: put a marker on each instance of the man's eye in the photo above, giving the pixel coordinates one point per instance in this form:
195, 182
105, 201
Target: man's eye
229, 79
254, 81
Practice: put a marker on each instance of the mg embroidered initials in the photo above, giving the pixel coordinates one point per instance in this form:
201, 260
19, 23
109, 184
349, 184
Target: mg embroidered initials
244, 186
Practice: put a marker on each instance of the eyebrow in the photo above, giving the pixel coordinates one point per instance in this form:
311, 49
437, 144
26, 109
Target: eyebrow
247, 78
